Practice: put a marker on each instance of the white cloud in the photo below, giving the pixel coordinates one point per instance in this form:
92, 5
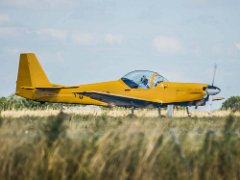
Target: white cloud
201, 1
84, 39
4, 18
46, 33
51, 57
113, 39
197, 51
237, 45
52, 33
13, 51
81, 38
167, 44
6, 32
37, 4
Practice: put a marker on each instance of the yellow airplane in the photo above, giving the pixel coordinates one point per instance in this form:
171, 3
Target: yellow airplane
137, 89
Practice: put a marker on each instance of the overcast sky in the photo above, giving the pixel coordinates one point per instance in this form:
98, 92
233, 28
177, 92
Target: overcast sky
84, 41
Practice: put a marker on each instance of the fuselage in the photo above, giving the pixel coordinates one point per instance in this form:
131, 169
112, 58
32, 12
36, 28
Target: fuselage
164, 93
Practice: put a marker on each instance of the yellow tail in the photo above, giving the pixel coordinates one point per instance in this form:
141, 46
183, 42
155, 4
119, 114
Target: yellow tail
30, 73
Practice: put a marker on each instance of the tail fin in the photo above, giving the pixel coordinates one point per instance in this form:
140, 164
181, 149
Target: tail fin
30, 72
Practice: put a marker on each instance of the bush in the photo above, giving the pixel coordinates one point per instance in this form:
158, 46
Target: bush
232, 103
14, 102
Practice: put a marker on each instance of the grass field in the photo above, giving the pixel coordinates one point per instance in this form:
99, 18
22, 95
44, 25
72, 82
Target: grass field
115, 112
103, 144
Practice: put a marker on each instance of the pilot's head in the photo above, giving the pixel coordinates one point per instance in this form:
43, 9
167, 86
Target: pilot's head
144, 80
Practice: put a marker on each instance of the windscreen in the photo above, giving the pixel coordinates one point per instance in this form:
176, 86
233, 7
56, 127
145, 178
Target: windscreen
142, 79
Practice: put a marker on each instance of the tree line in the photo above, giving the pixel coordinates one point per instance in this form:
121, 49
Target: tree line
14, 102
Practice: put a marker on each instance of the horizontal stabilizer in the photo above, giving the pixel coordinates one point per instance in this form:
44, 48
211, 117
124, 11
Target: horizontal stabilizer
48, 87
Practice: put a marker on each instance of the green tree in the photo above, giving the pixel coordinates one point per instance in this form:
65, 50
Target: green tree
232, 103
3, 103
14, 102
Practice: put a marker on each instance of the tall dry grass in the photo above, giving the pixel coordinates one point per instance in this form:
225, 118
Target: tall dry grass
102, 147
114, 112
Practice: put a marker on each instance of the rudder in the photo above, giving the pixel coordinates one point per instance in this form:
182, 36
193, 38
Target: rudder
30, 73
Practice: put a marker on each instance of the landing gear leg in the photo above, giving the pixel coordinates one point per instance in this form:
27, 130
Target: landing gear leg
159, 112
61, 109
188, 112
132, 112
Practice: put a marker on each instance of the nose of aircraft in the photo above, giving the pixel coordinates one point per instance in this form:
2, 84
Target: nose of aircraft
212, 90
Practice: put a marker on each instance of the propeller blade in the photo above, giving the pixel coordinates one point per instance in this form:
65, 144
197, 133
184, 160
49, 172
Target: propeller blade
210, 105
212, 90
214, 73
218, 98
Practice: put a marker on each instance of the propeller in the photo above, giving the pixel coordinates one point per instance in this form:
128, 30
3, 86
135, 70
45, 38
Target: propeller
212, 90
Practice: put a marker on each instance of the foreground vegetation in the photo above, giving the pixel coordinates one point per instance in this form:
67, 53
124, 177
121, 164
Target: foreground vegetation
102, 147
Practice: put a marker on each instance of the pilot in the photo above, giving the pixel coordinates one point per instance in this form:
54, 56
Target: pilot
143, 83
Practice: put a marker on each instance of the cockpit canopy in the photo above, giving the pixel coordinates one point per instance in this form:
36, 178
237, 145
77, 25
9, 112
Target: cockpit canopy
142, 79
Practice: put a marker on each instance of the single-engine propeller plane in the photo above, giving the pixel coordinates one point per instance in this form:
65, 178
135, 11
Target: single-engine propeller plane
137, 89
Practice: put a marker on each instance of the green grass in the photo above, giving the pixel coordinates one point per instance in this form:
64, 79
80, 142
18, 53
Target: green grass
103, 147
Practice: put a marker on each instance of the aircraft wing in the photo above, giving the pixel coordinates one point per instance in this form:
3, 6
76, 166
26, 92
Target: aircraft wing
119, 100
